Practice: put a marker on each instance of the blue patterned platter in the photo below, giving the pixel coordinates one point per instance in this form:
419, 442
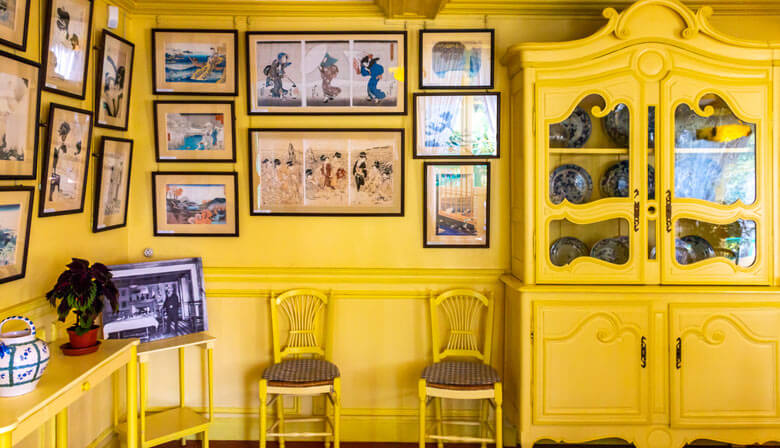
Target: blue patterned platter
614, 183
617, 126
611, 250
692, 249
579, 127
565, 249
570, 182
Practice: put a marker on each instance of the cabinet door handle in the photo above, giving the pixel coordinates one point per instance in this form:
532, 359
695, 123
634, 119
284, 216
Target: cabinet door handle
668, 211
636, 210
678, 350
643, 352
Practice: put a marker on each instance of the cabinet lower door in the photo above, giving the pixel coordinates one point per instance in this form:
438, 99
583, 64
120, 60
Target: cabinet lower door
590, 363
724, 362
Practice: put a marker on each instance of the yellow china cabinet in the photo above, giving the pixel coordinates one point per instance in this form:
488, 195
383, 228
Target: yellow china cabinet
643, 302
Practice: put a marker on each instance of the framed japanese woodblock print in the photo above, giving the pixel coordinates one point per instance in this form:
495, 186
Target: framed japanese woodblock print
68, 30
112, 184
112, 98
195, 62
19, 80
65, 161
457, 204
16, 205
326, 73
324, 172
462, 125
456, 59
195, 203
187, 131
14, 21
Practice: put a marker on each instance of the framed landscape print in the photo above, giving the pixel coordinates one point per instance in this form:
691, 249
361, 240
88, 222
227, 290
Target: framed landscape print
195, 62
456, 59
68, 30
112, 99
461, 125
187, 131
357, 172
65, 161
326, 73
14, 20
19, 80
112, 184
457, 204
15, 215
195, 203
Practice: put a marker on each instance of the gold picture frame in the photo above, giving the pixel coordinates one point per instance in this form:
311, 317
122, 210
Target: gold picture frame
112, 184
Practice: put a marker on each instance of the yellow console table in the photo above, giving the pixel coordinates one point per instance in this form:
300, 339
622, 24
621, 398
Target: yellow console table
65, 381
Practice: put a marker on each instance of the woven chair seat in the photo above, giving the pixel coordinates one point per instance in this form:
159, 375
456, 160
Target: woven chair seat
460, 375
302, 372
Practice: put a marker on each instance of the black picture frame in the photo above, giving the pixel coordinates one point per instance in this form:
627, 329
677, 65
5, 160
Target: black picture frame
402, 157
415, 111
99, 81
45, 56
193, 173
156, 89
403, 97
45, 162
99, 183
31, 191
22, 46
425, 207
489, 86
157, 131
36, 138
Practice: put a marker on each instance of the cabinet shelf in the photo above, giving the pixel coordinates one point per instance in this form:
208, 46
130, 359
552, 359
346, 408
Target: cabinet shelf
713, 150
589, 151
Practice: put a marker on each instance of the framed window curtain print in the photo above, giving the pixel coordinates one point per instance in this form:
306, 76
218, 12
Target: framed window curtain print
67, 44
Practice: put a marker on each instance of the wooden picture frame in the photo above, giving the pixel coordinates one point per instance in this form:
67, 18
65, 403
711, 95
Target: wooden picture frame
195, 62
19, 150
16, 204
326, 73
435, 130
324, 172
201, 190
70, 147
112, 184
447, 58
13, 30
451, 218
175, 123
114, 83
67, 36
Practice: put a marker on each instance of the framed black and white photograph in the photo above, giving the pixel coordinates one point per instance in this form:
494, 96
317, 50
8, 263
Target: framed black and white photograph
157, 300
456, 59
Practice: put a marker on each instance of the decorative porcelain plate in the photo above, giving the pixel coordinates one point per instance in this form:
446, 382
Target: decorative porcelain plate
565, 249
617, 125
614, 182
692, 248
611, 250
570, 182
578, 126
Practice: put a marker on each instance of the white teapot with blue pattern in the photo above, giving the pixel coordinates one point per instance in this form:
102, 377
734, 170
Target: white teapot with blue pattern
23, 358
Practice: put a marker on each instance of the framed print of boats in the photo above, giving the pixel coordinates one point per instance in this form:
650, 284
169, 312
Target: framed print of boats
19, 80
195, 62
456, 59
357, 172
14, 21
187, 131
461, 125
326, 73
68, 29
16, 205
65, 161
112, 99
195, 203
457, 204
112, 185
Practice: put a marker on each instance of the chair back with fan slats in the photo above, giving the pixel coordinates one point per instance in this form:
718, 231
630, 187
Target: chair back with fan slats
305, 311
464, 310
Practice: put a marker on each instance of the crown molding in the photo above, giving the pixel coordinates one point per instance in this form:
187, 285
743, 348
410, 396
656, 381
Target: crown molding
593, 8
262, 8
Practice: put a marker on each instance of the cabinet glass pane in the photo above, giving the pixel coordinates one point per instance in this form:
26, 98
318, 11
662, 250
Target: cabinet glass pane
697, 240
715, 155
606, 240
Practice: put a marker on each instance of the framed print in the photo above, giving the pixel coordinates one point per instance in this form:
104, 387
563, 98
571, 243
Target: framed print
65, 161
326, 73
357, 172
14, 21
19, 81
16, 205
115, 78
157, 300
187, 131
456, 59
68, 30
195, 203
195, 62
112, 185
457, 204
462, 125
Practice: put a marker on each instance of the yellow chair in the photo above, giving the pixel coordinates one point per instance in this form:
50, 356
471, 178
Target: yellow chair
302, 367
460, 370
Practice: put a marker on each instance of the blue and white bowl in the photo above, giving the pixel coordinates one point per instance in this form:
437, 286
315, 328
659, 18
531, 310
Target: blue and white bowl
23, 359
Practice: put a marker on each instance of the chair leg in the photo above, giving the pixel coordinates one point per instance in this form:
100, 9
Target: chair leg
280, 417
326, 405
422, 395
499, 417
439, 424
484, 414
263, 411
337, 412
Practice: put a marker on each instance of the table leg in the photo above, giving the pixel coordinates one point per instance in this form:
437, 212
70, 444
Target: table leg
132, 395
5, 440
61, 437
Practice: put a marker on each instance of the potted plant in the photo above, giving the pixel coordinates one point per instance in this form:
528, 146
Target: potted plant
81, 288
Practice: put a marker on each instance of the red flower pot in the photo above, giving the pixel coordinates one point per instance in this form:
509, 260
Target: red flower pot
88, 339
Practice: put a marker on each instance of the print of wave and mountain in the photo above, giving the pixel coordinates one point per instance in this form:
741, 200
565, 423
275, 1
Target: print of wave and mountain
186, 66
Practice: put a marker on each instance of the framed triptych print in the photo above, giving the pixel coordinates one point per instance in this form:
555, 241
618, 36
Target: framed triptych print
14, 22
456, 59
19, 80
112, 98
112, 184
67, 44
16, 205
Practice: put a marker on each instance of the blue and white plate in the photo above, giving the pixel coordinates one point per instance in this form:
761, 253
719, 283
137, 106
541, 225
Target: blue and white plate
617, 126
614, 183
579, 127
611, 250
691, 249
570, 182
565, 249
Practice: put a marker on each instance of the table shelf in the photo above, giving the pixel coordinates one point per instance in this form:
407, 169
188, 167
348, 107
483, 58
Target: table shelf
173, 424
